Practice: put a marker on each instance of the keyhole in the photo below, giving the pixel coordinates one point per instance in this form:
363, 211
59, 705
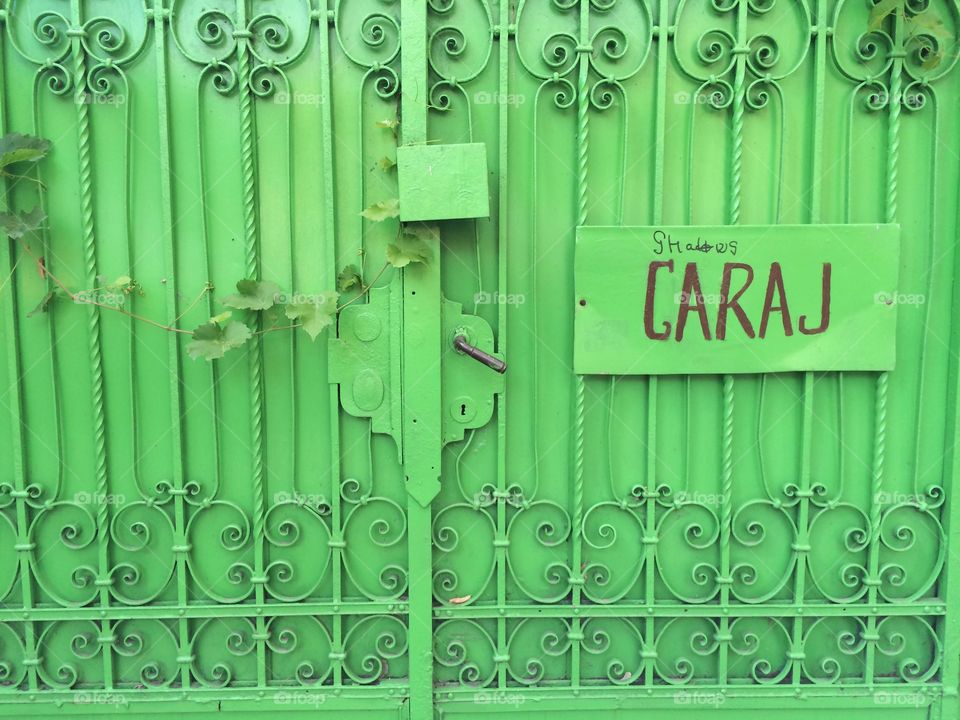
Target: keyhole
463, 410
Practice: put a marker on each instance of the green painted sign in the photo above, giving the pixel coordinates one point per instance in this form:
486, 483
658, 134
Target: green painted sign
735, 299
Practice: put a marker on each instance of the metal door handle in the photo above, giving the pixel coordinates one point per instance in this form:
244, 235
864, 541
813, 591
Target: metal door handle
461, 344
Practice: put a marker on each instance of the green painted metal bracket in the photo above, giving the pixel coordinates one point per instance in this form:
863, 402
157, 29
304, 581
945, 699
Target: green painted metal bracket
443, 182
365, 360
469, 387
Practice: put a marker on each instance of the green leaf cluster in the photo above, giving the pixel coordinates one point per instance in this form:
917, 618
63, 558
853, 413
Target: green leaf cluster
915, 24
312, 312
415, 240
212, 340
17, 149
17, 224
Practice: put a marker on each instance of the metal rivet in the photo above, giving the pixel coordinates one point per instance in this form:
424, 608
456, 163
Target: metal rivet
367, 327
368, 390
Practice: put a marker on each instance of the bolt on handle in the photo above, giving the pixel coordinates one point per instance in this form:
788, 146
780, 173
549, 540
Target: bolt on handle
461, 344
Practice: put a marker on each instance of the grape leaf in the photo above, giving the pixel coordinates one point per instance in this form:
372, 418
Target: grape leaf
386, 164
316, 316
928, 23
17, 148
253, 295
44, 304
124, 283
409, 248
382, 210
16, 225
881, 10
424, 231
210, 341
348, 278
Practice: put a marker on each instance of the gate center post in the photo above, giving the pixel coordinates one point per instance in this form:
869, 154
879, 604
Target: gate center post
421, 378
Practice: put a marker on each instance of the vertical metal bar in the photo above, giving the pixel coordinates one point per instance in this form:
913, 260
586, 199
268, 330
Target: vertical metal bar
324, 23
726, 471
88, 230
421, 379
583, 139
662, 34
181, 548
23, 546
802, 546
502, 230
52, 351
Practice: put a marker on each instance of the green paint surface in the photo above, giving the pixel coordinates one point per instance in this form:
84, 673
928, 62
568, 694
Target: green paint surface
373, 525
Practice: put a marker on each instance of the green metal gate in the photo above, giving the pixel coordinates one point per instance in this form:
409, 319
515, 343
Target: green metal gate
375, 525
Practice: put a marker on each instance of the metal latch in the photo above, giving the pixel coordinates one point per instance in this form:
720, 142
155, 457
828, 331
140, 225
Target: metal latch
365, 362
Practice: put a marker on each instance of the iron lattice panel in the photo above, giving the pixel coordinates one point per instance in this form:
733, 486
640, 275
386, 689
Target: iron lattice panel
694, 540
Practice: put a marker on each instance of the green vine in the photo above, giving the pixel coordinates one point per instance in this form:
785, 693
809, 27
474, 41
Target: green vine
311, 312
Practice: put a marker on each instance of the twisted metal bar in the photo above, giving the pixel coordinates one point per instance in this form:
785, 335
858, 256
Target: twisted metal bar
252, 270
249, 180
583, 138
583, 127
85, 174
883, 379
90, 269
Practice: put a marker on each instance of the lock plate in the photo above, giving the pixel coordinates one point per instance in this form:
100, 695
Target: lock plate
364, 361
469, 387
